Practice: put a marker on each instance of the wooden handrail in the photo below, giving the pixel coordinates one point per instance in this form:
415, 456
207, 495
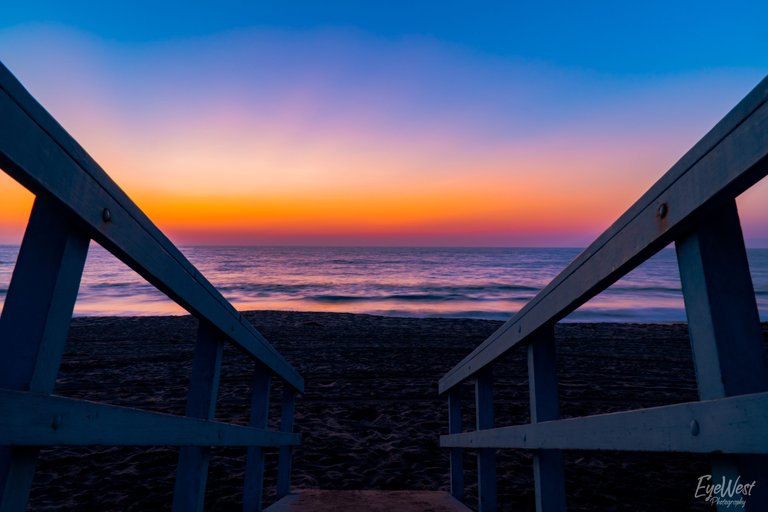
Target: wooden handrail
37, 152
76, 201
726, 161
694, 206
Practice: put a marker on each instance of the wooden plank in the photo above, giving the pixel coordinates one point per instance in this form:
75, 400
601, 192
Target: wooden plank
322, 500
723, 321
32, 419
727, 161
34, 325
192, 469
486, 457
253, 493
40, 116
368, 500
724, 326
457, 454
725, 425
548, 474
40, 300
286, 452
39, 154
542, 377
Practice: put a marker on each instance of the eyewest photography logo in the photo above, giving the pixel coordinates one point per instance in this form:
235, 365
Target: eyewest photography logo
724, 493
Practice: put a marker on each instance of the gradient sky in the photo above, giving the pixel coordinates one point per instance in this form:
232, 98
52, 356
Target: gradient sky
393, 123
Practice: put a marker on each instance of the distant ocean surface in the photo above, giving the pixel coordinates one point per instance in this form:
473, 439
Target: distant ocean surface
416, 282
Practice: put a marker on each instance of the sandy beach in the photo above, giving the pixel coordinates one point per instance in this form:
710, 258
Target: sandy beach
371, 416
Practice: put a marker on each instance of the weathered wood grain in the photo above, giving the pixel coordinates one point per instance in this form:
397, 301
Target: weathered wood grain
725, 425
486, 457
34, 325
724, 325
728, 160
253, 492
457, 454
285, 460
548, 475
31, 419
37, 152
192, 470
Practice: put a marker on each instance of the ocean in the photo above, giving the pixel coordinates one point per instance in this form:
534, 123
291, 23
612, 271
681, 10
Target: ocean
490, 283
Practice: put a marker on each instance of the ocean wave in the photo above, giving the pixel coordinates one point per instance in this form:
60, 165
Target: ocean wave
265, 287
337, 298
114, 284
645, 289
472, 313
377, 288
645, 314
423, 297
492, 286
414, 298
417, 282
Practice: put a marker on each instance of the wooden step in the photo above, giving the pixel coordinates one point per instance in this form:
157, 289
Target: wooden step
316, 500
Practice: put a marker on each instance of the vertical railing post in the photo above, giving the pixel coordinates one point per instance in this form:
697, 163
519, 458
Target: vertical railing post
486, 457
545, 405
457, 454
34, 326
192, 470
286, 452
724, 327
253, 492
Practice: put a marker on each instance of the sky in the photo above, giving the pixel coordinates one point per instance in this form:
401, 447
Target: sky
385, 123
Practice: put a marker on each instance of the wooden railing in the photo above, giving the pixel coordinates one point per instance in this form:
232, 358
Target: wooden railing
693, 206
77, 202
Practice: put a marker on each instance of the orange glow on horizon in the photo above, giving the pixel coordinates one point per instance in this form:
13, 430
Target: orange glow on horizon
343, 149
460, 208
469, 210
15, 206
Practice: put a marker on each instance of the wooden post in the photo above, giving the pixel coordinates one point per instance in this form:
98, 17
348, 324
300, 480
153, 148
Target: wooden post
724, 328
545, 405
34, 326
254, 468
192, 470
486, 457
457, 454
286, 452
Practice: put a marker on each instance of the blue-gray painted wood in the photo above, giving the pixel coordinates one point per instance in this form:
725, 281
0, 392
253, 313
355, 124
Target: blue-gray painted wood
34, 325
548, 472
732, 157
724, 325
40, 300
37, 152
457, 454
253, 493
727, 425
286, 452
723, 321
192, 470
729, 159
542, 377
33, 419
486, 457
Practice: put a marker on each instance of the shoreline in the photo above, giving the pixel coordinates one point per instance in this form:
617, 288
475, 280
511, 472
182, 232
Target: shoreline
370, 417
403, 282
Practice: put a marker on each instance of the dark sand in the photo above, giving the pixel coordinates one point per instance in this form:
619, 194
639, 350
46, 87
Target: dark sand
371, 417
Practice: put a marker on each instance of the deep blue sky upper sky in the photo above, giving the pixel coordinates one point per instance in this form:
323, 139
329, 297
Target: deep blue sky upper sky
610, 36
436, 123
